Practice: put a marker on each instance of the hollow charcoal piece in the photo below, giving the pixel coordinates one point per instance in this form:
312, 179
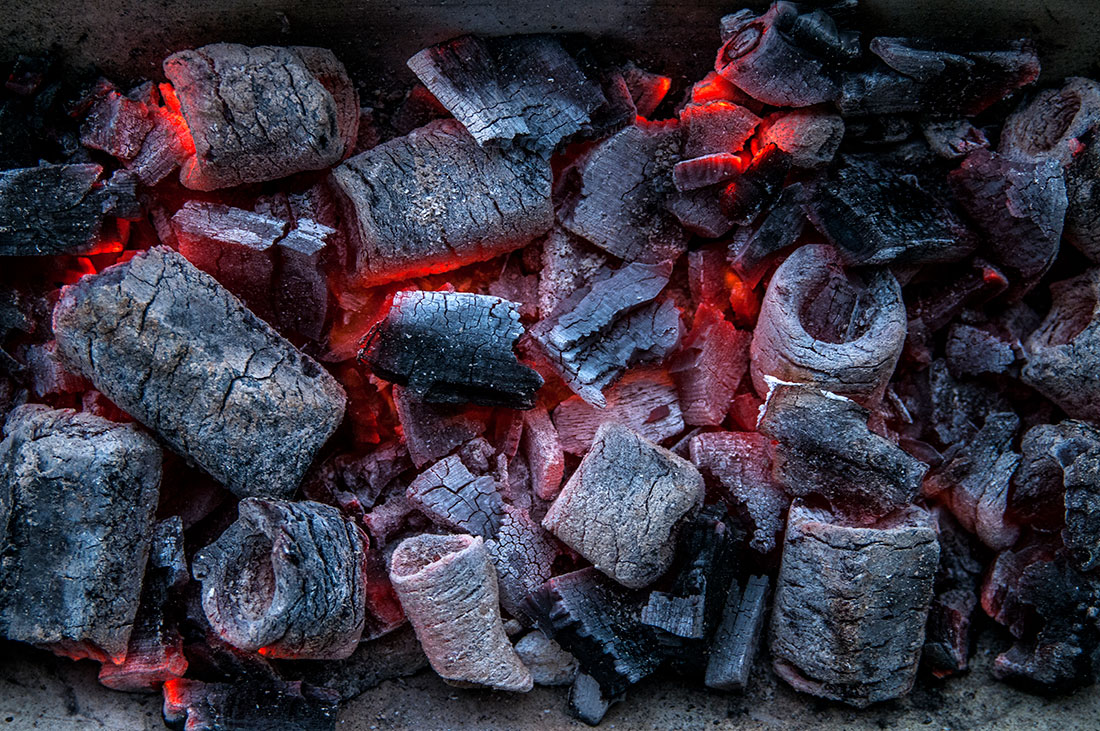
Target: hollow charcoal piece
873, 215
433, 430
568, 264
60, 209
434, 200
452, 348
1051, 124
751, 250
449, 591
1063, 355
738, 637
823, 446
647, 89
549, 664
543, 449
712, 360
259, 113
523, 554
821, 325
705, 171
621, 507
449, 494
810, 136
173, 348
288, 579
953, 139
645, 400
851, 604
518, 88
624, 183
973, 350
77, 496
249, 705
1082, 532
716, 127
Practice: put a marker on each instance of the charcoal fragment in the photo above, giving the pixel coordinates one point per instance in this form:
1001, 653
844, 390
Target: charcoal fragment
953, 139
452, 496
712, 360
716, 127
738, 636
543, 450
810, 137
757, 187
1039, 484
267, 705
958, 580
548, 663
569, 263
972, 351
752, 249
1082, 532
523, 554
587, 701
705, 171
647, 89
434, 430
958, 408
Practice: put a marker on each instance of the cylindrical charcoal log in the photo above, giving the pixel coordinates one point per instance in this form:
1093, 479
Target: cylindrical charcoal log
288, 579
77, 496
852, 603
449, 591
175, 349
820, 327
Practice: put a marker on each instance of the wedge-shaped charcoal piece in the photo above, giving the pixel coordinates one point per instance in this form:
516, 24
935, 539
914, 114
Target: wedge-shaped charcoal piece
434, 430
953, 139
740, 465
873, 215
77, 495
60, 209
824, 447
851, 604
587, 701
1082, 227
449, 494
1039, 485
716, 127
173, 348
621, 507
261, 113
543, 450
644, 400
452, 348
624, 183
1063, 355
1082, 532
972, 351
249, 705
647, 89
705, 171
287, 578
738, 636
568, 264
809, 136
712, 360
523, 554
449, 591
525, 89
819, 324
752, 249
1020, 207
434, 200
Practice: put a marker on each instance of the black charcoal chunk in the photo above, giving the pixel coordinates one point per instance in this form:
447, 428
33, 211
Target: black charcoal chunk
851, 604
301, 289
1082, 532
947, 638
433, 430
757, 187
738, 636
452, 496
452, 348
77, 496
953, 139
752, 249
958, 408
972, 351
713, 358
1039, 485
177, 351
249, 705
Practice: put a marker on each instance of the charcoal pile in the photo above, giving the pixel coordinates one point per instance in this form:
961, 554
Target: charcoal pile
552, 372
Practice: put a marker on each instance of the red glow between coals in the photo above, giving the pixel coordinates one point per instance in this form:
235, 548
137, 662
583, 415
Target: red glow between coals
713, 88
743, 300
175, 116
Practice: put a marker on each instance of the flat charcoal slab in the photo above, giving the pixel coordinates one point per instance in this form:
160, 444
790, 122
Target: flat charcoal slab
77, 496
434, 200
449, 494
851, 604
452, 348
173, 348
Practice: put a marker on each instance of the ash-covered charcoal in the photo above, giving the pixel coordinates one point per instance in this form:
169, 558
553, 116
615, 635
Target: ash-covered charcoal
434, 430
61, 209
523, 554
842, 331
757, 187
569, 263
301, 285
810, 137
615, 323
548, 663
1082, 532
712, 360
449, 591
261, 113
434, 200
48, 376
176, 350
624, 183
647, 89
345, 478
738, 636
452, 348
77, 497
452, 496
972, 351
526, 89
823, 446
644, 400
1020, 208
716, 127
1039, 484
288, 579
742, 468
851, 604
621, 507
752, 249
1063, 355
543, 450
953, 139
874, 215
249, 705
587, 701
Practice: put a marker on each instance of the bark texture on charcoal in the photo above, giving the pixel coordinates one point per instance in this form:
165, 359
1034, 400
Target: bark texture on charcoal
840, 331
77, 496
288, 579
175, 349
261, 113
448, 588
738, 636
434, 200
851, 604
621, 507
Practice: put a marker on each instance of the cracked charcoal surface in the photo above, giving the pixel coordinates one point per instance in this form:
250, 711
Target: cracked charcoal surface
972, 351
738, 637
173, 348
259, 113
568, 263
77, 496
449, 494
810, 137
851, 604
452, 347
249, 705
288, 578
621, 507
434, 200
523, 554
953, 139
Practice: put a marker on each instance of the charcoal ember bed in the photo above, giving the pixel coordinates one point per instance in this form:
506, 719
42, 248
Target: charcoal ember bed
555, 371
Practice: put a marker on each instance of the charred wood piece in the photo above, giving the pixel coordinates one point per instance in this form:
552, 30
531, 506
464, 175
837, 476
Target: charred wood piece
587, 701
758, 186
543, 449
647, 89
700, 211
1082, 502
433, 431
1040, 483
953, 139
250, 705
738, 637
752, 249
452, 496
523, 554
148, 139
705, 171
948, 635
716, 127
809, 136
712, 360
301, 284
569, 263
972, 351
548, 663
